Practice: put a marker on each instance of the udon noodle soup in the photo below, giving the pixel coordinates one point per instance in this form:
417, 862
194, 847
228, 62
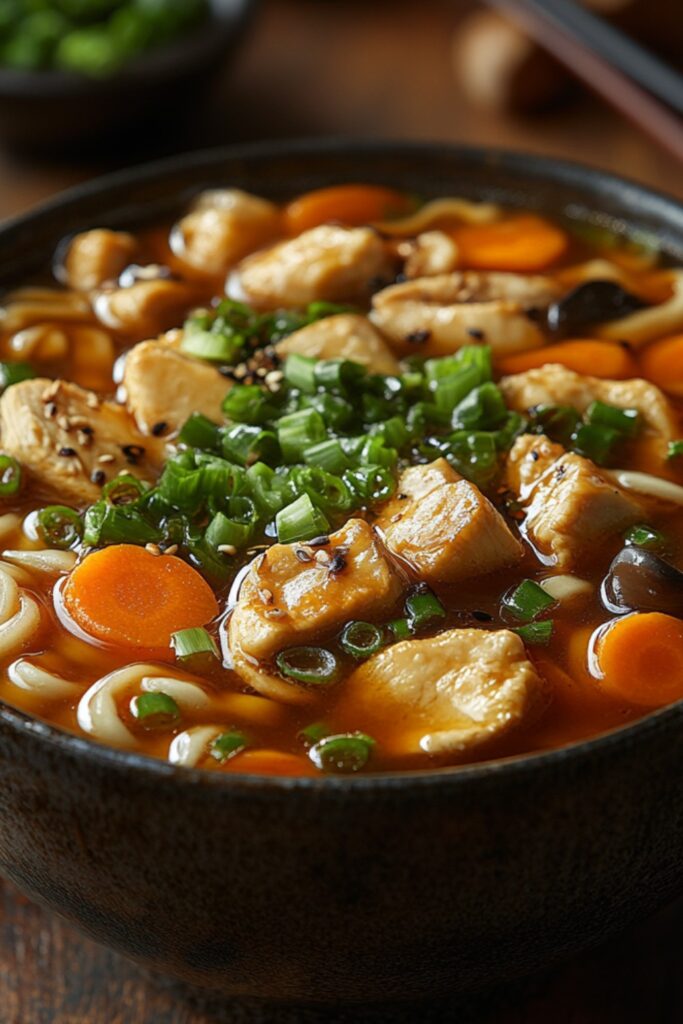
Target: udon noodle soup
362, 482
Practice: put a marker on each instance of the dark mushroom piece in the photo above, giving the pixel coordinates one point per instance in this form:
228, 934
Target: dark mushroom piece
593, 302
640, 581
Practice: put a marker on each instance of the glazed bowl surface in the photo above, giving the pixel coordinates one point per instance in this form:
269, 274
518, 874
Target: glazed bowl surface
371, 888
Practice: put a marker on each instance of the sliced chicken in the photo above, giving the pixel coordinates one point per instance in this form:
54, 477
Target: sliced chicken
417, 482
553, 384
434, 316
146, 307
295, 592
95, 257
163, 388
432, 252
570, 505
448, 693
345, 336
69, 442
446, 531
326, 263
222, 227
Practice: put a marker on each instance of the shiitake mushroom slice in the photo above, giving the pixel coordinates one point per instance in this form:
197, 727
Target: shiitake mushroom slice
593, 302
640, 581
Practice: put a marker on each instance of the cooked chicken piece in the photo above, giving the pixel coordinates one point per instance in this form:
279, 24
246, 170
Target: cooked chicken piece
286, 601
448, 693
163, 386
432, 252
554, 384
345, 336
326, 263
647, 324
446, 531
570, 504
146, 307
417, 482
97, 256
69, 442
222, 227
433, 316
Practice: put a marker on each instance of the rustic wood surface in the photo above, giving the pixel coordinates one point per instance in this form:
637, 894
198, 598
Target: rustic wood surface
377, 69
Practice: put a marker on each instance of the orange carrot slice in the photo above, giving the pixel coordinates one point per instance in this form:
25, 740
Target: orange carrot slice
523, 243
349, 204
662, 363
125, 595
640, 658
270, 762
596, 358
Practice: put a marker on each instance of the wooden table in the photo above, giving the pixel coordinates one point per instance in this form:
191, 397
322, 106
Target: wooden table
380, 69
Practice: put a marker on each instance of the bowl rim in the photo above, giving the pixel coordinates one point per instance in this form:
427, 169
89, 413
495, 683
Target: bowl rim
532, 165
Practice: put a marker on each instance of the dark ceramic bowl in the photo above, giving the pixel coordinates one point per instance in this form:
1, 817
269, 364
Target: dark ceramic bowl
395, 887
48, 110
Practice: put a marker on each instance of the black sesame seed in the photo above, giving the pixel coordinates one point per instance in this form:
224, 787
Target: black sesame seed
319, 542
476, 333
535, 456
303, 555
337, 563
98, 477
133, 453
418, 337
67, 453
482, 616
159, 428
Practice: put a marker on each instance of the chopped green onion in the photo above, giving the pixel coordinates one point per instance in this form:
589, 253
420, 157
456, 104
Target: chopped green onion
155, 708
675, 449
246, 444
558, 422
347, 752
226, 533
210, 344
393, 432
249, 403
536, 632
298, 431
423, 608
311, 734
644, 536
482, 409
228, 744
595, 442
338, 374
117, 524
624, 421
375, 453
361, 639
313, 665
451, 390
268, 490
124, 490
181, 487
507, 434
188, 643
400, 629
478, 356
372, 484
328, 455
300, 521
60, 527
200, 432
474, 455
10, 476
527, 601
14, 373
299, 372
337, 413
328, 492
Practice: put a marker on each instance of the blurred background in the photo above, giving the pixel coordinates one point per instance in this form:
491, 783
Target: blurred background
86, 88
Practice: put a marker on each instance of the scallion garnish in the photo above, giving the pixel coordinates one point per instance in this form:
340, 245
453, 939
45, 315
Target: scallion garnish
535, 632
624, 421
328, 455
400, 629
300, 520
313, 665
124, 489
298, 431
228, 744
361, 639
595, 442
200, 432
314, 732
527, 601
300, 373
643, 536
423, 608
14, 373
675, 449
155, 708
10, 476
117, 524
346, 753
191, 643
60, 526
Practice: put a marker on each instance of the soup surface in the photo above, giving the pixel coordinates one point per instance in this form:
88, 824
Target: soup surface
363, 482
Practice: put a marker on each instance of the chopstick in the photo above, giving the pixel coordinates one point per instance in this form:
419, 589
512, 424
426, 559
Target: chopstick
642, 87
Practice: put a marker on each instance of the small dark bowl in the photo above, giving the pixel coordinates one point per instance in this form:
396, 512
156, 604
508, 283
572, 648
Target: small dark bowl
374, 888
55, 110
